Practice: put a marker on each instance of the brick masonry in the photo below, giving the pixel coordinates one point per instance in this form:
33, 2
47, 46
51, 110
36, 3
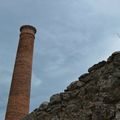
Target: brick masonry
19, 96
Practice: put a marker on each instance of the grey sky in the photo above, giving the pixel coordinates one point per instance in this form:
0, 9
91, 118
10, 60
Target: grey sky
72, 35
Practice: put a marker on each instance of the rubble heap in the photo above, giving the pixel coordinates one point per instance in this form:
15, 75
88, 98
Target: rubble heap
94, 96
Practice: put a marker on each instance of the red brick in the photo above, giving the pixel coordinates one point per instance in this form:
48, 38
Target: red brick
19, 96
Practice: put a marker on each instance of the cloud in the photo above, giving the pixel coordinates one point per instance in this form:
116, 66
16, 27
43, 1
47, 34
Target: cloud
106, 7
5, 76
72, 35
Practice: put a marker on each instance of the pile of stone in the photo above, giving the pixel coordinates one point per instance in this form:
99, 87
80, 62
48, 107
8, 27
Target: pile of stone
94, 96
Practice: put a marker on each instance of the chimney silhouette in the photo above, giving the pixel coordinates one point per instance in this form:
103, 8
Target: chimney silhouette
19, 96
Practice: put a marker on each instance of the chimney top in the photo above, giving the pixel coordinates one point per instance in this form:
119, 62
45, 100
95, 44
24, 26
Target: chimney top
29, 27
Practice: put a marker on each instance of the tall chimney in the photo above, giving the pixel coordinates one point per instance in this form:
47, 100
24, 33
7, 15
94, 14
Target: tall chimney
19, 96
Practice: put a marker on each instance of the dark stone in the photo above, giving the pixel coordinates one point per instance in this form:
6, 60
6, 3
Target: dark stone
83, 76
97, 66
95, 96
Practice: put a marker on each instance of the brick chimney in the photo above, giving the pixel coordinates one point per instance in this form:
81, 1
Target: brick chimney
19, 96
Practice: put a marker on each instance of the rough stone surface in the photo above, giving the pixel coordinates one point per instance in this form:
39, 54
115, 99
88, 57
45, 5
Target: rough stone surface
95, 96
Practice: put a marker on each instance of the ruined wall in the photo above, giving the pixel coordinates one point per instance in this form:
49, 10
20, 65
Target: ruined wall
95, 96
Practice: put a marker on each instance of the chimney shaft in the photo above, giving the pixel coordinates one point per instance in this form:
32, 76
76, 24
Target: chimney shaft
19, 96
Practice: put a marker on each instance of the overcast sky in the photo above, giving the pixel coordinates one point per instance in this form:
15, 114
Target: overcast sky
72, 35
